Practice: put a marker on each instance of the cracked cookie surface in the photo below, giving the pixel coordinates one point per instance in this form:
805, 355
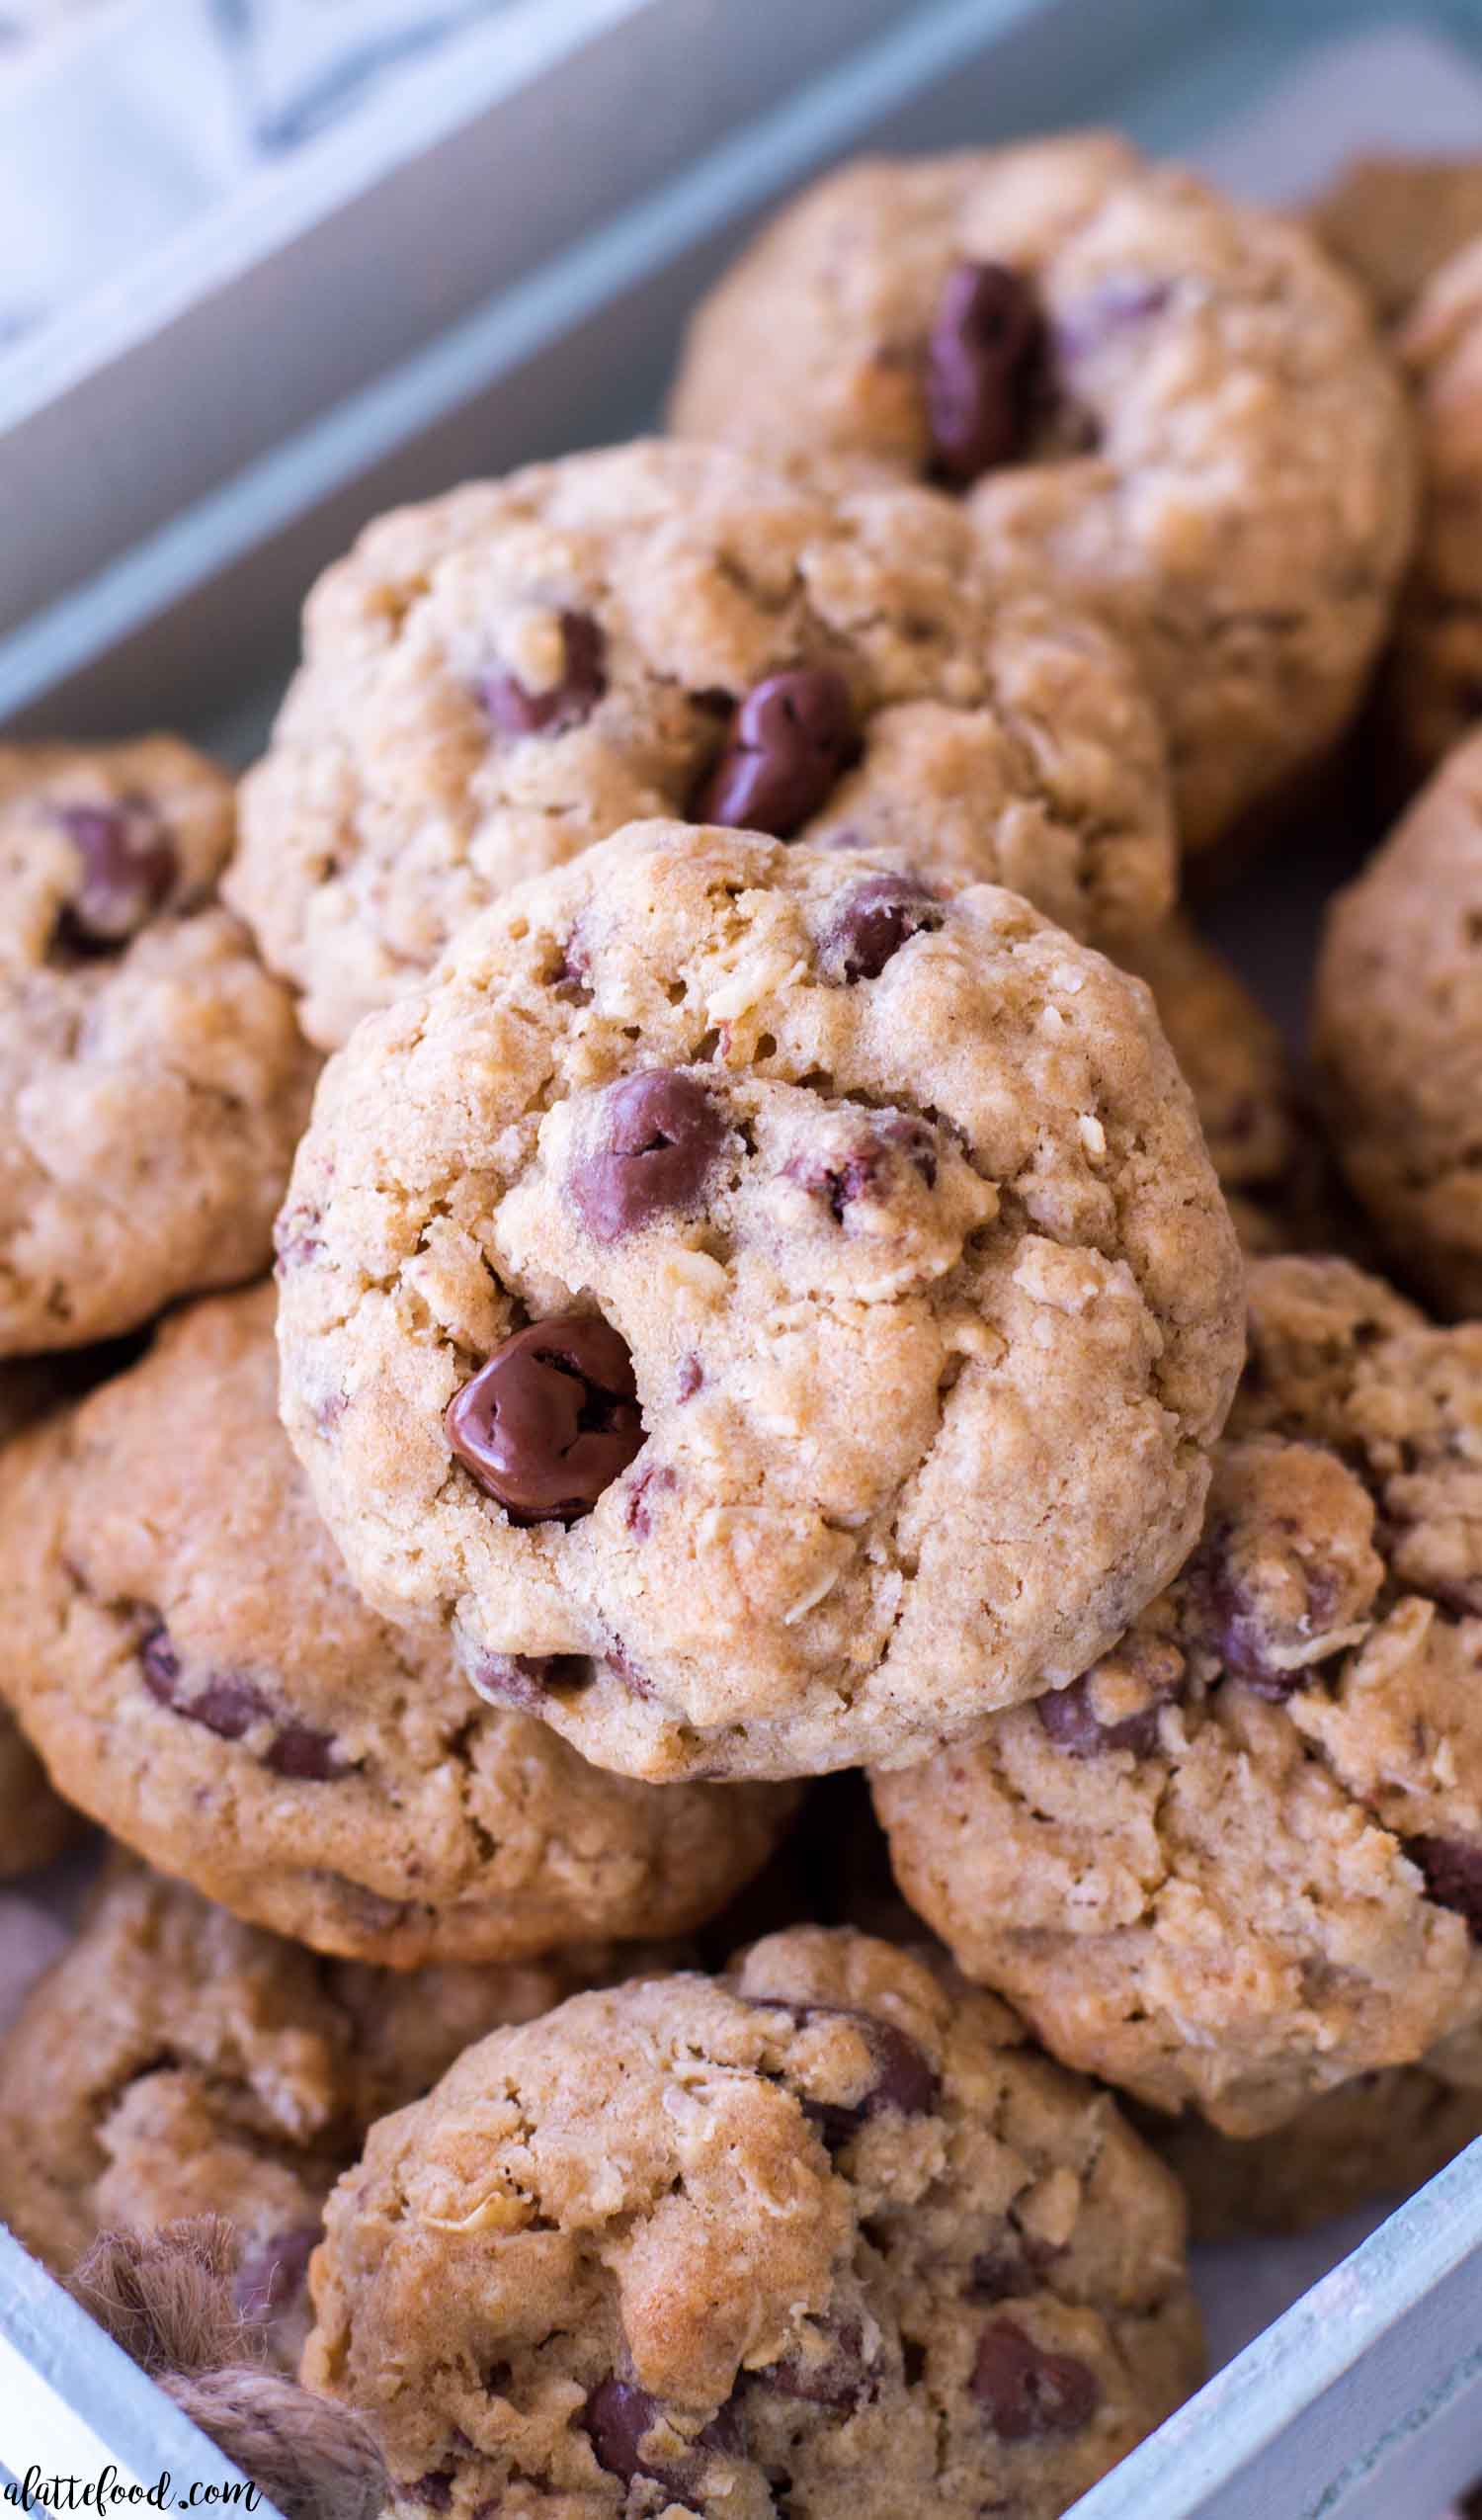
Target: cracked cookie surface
495, 680
184, 1648
1397, 1036
778, 1311
154, 1078
175, 2061
1240, 1860
1152, 398
822, 2235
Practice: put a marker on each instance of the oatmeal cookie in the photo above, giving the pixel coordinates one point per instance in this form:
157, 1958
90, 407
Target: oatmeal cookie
821, 2232
153, 1078
1397, 1036
779, 1310
184, 1646
1240, 1860
1151, 398
1395, 219
495, 680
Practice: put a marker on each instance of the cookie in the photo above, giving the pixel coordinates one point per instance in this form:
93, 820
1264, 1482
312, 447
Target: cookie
1395, 219
176, 2062
1155, 400
153, 1078
1432, 691
1240, 1860
1382, 2134
1235, 1063
822, 2234
777, 1309
495, 680
187, 1653
1397, 1036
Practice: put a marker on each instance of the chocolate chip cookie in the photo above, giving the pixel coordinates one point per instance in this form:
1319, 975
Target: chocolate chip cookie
778, 1308
1382, 2134
1397, 1036
176, 2062
185, 1649
495, 680
1433, 692
1152, 398
1240, 1860
1395, 219
153, 1077
821, 2234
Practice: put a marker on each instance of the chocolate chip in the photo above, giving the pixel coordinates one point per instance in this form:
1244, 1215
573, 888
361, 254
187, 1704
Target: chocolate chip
1070, 1716
128, 864
229, 1705
271, 2275
790, 741
875, 918
688, 1380
297, 1750
525, 1680
838, 2376
1010, 2270
904, 2082
656, 1137
638, 1516
435, 2490
1453, 1867
551, 1420
1025, 2390
983, 367
618, 2418
516, 711
869, 1170
1255, 1641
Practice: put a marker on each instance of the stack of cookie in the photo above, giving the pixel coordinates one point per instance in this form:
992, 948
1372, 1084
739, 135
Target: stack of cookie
802, 1258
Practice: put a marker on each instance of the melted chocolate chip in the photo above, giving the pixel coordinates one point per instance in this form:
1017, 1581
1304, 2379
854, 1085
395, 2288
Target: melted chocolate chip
128, 864
525, 1680
875, 918
297, 1750
551, 1420
1025, 2390
983, 368
569, 700
271, 2275
838, 2376
1254, 1647
689, 1376
435, 2490
639, 1515
1453, 1867
616, 2418
657, 1134
790, 741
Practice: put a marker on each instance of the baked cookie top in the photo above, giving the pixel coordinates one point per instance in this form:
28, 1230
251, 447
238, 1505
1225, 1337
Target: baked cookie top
175, 2061
186, 1648
1397, 1034
1434, 688
1151, 398
152, 1075
824, 2229
1240, 1860
1394, 219
494, 680
779, 1310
